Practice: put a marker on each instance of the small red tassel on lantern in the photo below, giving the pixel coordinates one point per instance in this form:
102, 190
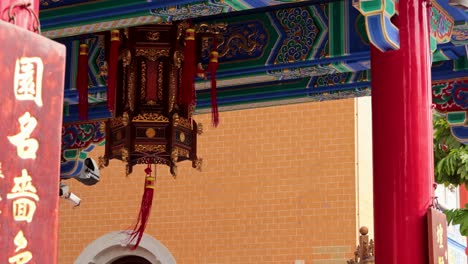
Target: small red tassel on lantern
113, 60
212, 68
82, 82
145, 209
189, 70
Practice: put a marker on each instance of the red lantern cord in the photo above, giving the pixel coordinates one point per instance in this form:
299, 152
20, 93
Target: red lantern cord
189, 70
112, 68
212, 68
145, 209
82, 82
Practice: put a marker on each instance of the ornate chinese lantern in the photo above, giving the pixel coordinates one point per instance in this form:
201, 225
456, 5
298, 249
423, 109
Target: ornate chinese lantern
155, 100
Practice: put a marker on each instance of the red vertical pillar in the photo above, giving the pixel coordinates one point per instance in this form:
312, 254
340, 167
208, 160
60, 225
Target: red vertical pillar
402, 140
23, 17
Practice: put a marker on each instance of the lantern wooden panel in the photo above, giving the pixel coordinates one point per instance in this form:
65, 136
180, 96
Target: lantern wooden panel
149, 125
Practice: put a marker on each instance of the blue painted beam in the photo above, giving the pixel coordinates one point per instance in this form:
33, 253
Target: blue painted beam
457, 14
365, 55
352, 58
448, 74
110, 12
95, 112
278, 95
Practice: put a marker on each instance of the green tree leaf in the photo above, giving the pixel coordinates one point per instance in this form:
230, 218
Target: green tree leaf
450, 167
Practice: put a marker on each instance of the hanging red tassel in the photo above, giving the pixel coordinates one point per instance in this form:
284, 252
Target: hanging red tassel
212, 68
82, 82
145, 209
113, 60
187, 92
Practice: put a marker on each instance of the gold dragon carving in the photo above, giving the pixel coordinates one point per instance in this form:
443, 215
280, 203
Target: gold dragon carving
150, 117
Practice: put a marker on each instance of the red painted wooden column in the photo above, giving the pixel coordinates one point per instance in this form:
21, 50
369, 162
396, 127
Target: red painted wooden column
402, 140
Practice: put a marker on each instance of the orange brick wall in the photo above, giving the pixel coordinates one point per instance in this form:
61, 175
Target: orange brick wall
278, 185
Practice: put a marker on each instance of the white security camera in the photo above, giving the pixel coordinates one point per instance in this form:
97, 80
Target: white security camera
64, 192
90, 173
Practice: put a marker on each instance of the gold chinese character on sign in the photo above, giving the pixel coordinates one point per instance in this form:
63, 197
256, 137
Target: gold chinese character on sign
23, 207
441, 260
20, 243
23, 187
28, 79
1, 172
440, 236
23, 210
26, 147
21, 258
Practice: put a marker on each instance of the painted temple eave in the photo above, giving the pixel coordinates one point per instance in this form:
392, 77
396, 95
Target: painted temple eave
259, 71
76, 17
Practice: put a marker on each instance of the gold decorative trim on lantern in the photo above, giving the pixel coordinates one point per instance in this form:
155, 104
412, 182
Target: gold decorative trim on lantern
126, 57
152, 54
182, 152
181, 27
83, 49
125, 31
175, 119
182, 136
102, 162
199, 128
102, 128
131, 86
175, 155
150, 148
198, 164
160, 80
152, 159
150, 132
150, 117
125, 119
143, 79
180, 121
116, 122
191, 110
178, 58
151, 102
190, 34
115, 35
174, 171
172, 89
153, 36
124, 153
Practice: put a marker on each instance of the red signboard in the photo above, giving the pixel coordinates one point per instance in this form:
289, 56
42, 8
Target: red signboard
437, 227
31, 101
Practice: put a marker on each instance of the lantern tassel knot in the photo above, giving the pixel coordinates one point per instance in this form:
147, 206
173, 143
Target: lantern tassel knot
145, 210
212, 68
82, 82
189, 70
112, 68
